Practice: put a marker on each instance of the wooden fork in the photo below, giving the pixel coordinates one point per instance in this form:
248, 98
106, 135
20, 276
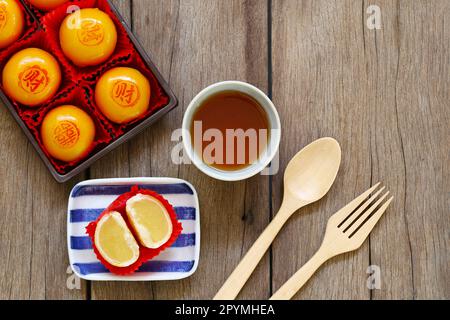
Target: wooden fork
346, 231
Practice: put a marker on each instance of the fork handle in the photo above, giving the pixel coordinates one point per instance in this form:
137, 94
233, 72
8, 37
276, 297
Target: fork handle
296, 282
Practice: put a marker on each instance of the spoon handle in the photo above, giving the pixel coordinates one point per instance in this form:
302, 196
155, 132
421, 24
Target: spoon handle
245, 268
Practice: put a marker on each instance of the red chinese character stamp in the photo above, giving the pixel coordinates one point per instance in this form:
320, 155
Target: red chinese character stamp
91, 33
34, 79
3, 16
125, 93
66, 134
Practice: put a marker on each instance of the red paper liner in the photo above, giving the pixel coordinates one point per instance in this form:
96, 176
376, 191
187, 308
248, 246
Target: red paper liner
89, 93
52, 22
73, 96
31, 25
146, 254
158, 100
37, 12
36, 40
40, 13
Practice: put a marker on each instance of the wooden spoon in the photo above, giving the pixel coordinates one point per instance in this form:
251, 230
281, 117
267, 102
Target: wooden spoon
308, 177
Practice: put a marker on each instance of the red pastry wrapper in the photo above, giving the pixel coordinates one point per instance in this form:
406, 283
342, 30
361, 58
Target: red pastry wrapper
52, 22
158, 99
76, 96
146, 254
31, 25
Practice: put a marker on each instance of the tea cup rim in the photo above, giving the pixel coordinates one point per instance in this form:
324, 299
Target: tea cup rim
274, 124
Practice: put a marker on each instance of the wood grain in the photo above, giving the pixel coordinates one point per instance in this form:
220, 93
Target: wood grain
194, 44
409, 101
33, 248
384, 94
317, 58
33, 237
380, 92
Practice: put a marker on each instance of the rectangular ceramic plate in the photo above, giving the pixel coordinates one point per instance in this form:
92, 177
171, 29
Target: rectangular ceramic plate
89, 199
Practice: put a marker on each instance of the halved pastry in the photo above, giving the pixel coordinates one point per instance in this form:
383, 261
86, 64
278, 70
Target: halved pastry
150, 220
115, 242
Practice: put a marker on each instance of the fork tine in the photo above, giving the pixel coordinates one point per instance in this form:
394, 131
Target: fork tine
359, 220
368, 226
343, 214
350, 221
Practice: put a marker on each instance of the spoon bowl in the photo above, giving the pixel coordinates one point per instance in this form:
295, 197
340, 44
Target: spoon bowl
311, 172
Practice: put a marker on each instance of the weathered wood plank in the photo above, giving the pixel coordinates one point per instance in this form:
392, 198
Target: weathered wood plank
409, 78
384, 95
226, 40
318, 87
16, 221
49, 263
34, 262
33, 235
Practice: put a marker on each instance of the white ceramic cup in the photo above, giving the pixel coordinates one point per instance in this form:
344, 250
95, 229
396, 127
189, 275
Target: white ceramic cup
274, 126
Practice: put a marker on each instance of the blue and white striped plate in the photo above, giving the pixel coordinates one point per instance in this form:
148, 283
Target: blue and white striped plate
88, 200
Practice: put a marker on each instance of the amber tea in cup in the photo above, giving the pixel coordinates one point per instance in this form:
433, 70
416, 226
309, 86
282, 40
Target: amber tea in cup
230, 130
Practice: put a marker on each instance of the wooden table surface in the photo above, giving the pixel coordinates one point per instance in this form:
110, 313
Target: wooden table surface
383, 94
